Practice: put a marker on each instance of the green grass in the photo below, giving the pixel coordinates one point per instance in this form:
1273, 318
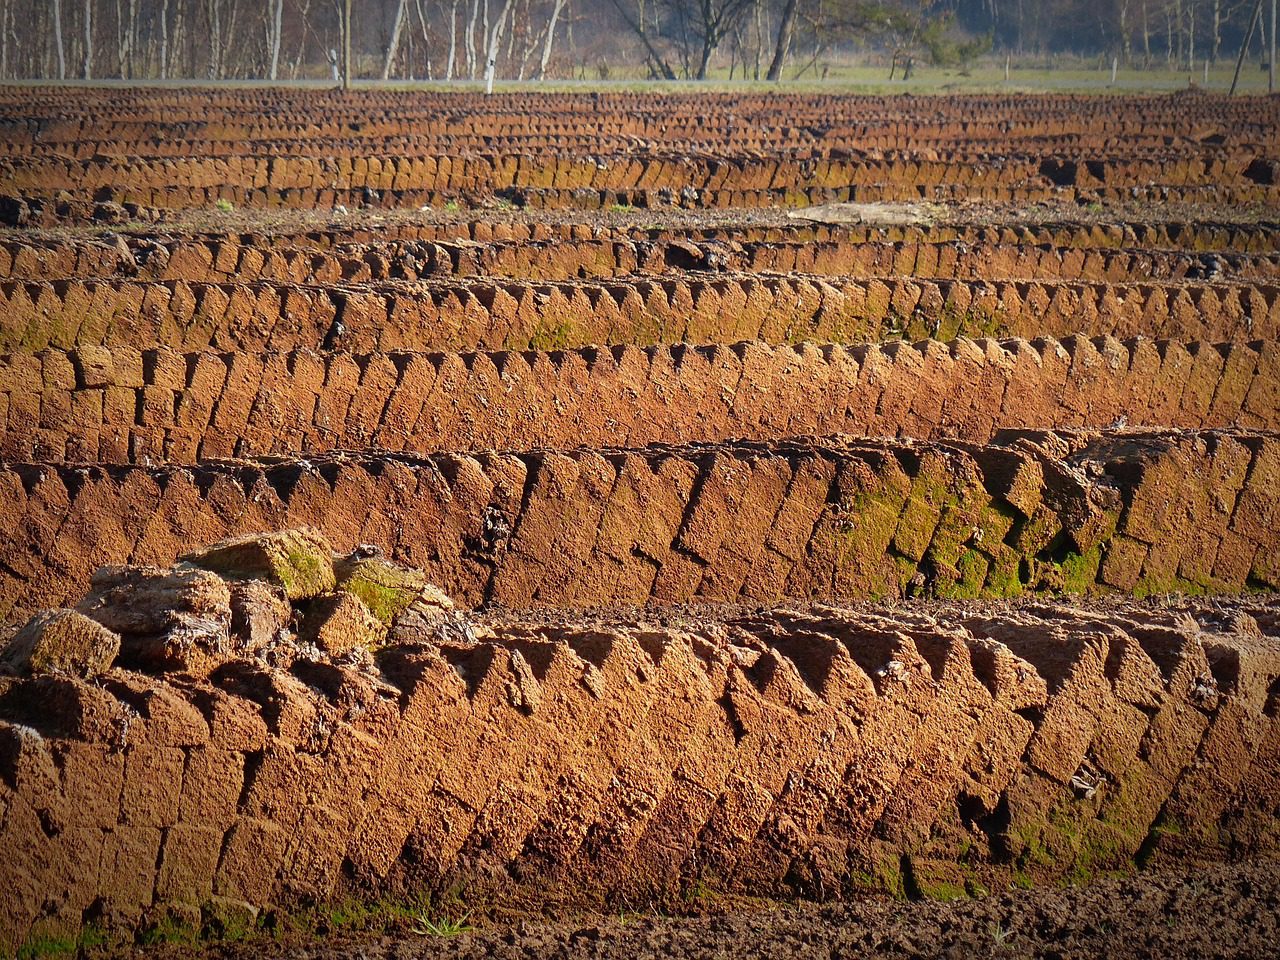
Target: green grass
427, 926
355, 915
1001, 937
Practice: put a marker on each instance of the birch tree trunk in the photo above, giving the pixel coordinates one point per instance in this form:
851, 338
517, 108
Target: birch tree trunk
550, 38
1146, 36
346, 45
511, 34
133, 38
88, 39
453, 41
126, 28
214, 15
1191, 34
495, 38
426, 37
57, 39
164, 39
471, 39
276, 35
394, 45
1126, 45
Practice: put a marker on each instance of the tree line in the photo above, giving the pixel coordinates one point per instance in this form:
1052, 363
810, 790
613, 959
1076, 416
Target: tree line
536, 39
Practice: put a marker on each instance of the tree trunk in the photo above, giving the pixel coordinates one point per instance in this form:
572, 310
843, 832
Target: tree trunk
1215, 42
346, 45
491, 54
511, 33
214, 16
57, 39
394, 45
471, 39
784, 41
661, 67
550, 38
164, 39
126, 29
704, 58
1244, 45
1180, 32
453, 41
1191, 34
88, 39
133, 39
277, 32
1126, 47
758, 54
426, 37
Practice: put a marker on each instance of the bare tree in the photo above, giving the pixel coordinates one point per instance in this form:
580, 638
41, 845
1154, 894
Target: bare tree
784, 40
1122, 14
346, 45
426, 36
126, 36
57, 39
164, 39
471, 35
453, 41
556, 10
658, 65
394, 45
213, 16
88, 39
494, 40
275, 34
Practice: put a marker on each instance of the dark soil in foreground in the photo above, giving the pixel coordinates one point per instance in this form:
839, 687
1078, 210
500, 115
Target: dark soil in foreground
1221, 911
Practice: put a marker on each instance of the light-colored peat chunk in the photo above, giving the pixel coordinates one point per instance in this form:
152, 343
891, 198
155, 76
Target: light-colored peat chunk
260, 614
387, 588
63, 641
340, 623
300, 561
177, 619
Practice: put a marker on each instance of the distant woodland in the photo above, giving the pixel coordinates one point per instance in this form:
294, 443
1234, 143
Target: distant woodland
596, 39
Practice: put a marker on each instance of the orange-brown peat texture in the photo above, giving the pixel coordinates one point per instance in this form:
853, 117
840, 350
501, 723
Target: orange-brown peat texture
550, 501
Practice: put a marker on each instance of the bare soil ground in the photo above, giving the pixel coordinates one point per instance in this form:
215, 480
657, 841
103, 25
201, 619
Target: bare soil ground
1222, 911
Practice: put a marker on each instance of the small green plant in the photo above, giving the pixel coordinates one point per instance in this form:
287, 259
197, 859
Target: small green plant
452, 206
224, 205
1002, 938
621, 208
426, 926
503, 203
